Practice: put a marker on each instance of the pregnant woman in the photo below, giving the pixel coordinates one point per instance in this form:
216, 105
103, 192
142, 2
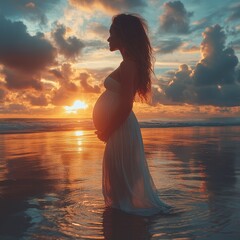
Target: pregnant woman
127, 183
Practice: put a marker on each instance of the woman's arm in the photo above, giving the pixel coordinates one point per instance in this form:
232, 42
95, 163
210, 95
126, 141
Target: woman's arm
128, 74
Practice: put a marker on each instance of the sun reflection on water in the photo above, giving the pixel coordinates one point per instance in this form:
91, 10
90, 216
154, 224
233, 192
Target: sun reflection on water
80, 139
79, 133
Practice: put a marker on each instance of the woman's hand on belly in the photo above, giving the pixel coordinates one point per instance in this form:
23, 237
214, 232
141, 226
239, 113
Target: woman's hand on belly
103, 136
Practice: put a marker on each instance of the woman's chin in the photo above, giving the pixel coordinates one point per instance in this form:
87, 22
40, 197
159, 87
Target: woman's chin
112, 49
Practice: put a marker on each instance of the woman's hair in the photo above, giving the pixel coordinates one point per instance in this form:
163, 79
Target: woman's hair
132, 32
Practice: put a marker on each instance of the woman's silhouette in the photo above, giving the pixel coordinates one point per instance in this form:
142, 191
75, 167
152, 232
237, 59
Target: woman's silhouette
127, 183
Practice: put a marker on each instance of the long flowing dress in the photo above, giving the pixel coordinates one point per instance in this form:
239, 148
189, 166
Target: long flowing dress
126, 181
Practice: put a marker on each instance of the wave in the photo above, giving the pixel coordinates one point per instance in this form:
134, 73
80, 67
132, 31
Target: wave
211, 122
43, 125
8, 126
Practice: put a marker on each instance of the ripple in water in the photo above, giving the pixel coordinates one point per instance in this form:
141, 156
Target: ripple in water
51, 189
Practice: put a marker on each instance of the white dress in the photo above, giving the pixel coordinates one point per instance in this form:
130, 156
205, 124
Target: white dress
126, 182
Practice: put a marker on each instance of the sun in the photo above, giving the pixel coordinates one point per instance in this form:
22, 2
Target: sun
77, 105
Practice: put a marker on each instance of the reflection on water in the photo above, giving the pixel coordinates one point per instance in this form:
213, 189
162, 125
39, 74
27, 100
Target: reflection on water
118, 225
50, 186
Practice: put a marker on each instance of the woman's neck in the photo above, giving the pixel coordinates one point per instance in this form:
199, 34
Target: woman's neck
125, 56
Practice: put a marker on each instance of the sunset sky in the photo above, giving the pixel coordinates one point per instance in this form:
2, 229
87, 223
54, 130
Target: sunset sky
54, 57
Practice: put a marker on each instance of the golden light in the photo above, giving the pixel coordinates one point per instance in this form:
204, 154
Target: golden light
78, 133
77, 105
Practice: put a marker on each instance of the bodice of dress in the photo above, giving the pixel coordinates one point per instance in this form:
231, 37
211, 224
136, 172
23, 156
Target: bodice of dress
112, 85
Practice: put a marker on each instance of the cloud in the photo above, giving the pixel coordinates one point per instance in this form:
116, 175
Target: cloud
40, 100
235, 13
238, 76
108, 5
2, 94
190, 49
168, 46
33, 10
20, 80
218, 63
223, 96
97, 75
15, 108
213, 81
62, 97
74, 84
64, 76
84, 77
93, 45
235, 44
158, 96
68, 90
175, 18
69, 47
21, 51
100, 30
180, 88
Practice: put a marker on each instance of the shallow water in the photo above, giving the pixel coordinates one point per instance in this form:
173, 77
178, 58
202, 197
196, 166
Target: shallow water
50, 186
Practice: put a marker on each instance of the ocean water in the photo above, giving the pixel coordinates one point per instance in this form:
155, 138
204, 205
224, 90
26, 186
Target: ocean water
50, 181
30, 125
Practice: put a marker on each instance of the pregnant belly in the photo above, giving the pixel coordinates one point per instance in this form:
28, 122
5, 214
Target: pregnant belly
103, 109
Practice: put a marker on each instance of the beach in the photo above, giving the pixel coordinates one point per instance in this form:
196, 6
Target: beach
50, 185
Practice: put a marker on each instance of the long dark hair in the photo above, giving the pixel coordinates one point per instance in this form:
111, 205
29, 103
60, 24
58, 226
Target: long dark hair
132, 31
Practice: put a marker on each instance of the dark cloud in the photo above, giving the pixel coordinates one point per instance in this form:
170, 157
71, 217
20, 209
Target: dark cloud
223, 96
180, 88
64, 76
115, 6
62, 97
168, 46
20, 80
70, 47
2, 94
159, 96
37, 100
175, 18
23, 56
235, 13
84, 77
218, 63
34, 10
213, 81
238, 76
21, 51
57, 74
15, 108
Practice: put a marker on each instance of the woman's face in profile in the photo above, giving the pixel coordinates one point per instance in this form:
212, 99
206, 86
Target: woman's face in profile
114, 42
